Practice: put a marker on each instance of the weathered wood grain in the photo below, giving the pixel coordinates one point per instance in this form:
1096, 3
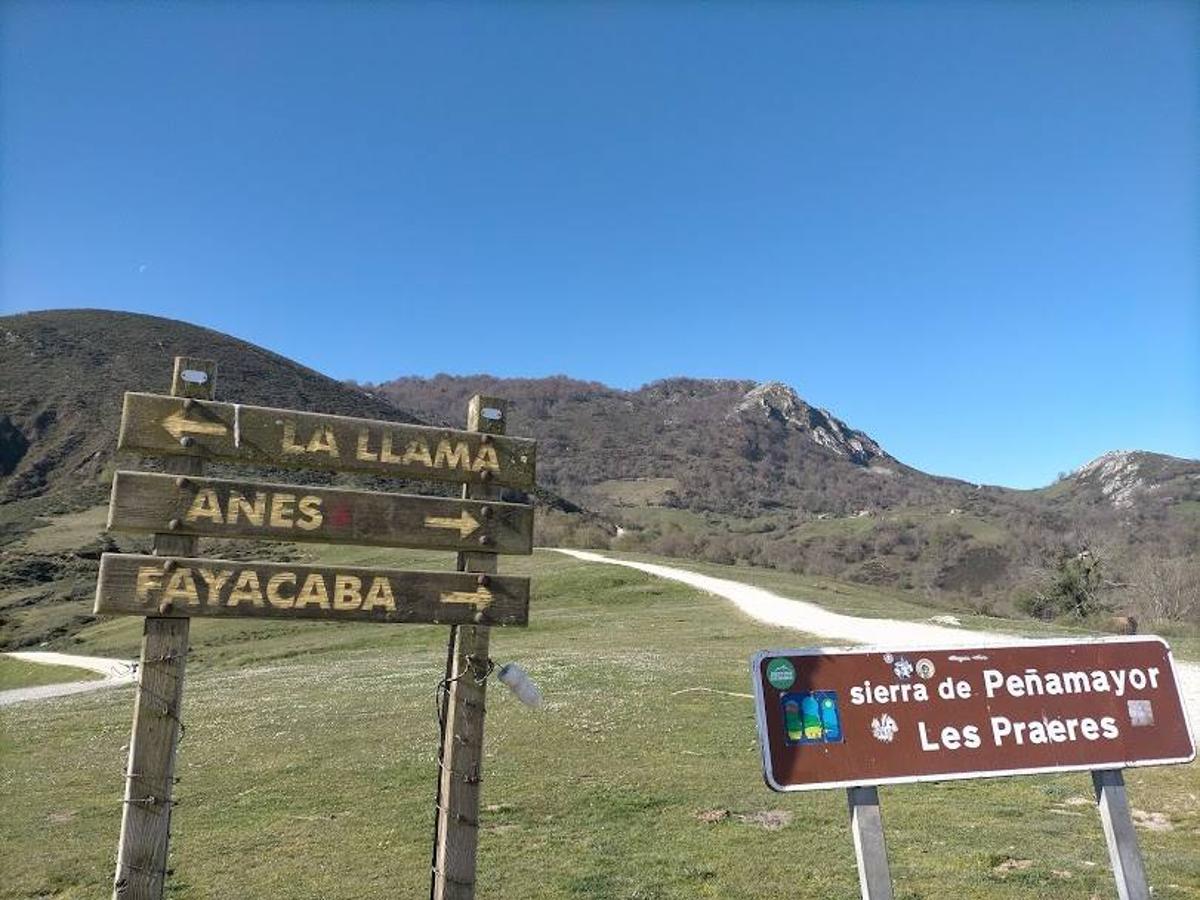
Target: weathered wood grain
215, 507
460, 774
150, 776
131, 584
150, 771
171, 426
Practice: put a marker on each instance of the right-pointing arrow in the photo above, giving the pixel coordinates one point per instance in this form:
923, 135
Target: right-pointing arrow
480, 597
464, 524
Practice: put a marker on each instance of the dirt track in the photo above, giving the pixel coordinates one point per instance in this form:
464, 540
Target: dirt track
755, 602
115, 671
773, 609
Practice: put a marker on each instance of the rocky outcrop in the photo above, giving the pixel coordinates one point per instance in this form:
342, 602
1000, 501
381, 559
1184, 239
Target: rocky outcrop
777, 402
1117, 475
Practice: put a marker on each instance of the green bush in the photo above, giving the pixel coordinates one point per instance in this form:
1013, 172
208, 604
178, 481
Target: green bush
1073, 590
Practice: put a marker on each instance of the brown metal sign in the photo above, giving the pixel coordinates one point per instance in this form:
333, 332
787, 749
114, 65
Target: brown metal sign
175, 426
837, 718
217, 507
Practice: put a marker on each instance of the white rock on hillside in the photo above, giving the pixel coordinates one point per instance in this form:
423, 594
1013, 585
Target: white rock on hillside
775, 400
1116, 473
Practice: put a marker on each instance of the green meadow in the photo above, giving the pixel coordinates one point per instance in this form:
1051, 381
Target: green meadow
307, 768
17, 673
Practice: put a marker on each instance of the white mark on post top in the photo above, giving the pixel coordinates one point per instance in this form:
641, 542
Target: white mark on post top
194, 376
490, 412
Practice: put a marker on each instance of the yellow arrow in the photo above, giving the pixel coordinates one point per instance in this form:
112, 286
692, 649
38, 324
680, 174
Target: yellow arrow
464, 524
179, 424
480, 597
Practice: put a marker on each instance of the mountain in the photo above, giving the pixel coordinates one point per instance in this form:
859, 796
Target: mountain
1131, 480
724, 470
730, 447
63, 374
736, 471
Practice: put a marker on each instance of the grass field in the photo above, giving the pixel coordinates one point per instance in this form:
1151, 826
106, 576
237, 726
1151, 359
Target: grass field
69, 531
307, 769
17, 673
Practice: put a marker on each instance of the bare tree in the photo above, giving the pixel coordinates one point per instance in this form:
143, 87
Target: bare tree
1167, 589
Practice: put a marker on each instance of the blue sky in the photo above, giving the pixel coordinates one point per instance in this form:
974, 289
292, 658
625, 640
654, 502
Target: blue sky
970, 229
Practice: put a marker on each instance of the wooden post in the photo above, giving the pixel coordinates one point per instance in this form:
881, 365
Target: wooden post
1127, 866
866, 823
149, 777
457, 831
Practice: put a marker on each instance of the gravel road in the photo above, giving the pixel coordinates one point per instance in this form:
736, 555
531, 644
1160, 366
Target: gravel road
773, 609
755, 602
115, 671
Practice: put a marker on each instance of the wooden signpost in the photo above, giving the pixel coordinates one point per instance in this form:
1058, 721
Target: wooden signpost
460, 761
163, 586
173, 585
213, 507
157, 425
857, 719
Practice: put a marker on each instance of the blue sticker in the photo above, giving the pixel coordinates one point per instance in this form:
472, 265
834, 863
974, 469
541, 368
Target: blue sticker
811, 718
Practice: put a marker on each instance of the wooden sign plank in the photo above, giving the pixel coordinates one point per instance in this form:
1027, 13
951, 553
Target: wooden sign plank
132, 584
216, 507
171, 426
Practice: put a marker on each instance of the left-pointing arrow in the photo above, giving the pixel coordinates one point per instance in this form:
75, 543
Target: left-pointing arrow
479, 597
178, 425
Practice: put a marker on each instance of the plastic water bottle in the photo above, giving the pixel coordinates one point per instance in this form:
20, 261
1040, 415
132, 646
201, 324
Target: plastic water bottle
518, 681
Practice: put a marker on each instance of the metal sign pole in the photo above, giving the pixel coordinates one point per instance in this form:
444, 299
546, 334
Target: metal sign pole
866, 823
1128, 869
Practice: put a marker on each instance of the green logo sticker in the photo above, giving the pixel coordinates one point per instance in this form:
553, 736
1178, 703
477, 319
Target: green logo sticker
781, 674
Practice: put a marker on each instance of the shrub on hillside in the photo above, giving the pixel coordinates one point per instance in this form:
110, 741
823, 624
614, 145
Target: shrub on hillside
1073, 590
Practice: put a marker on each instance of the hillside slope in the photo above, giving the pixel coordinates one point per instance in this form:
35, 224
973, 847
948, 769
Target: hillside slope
733, 447
735, 471
1129, 480
63, 374
728, 471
